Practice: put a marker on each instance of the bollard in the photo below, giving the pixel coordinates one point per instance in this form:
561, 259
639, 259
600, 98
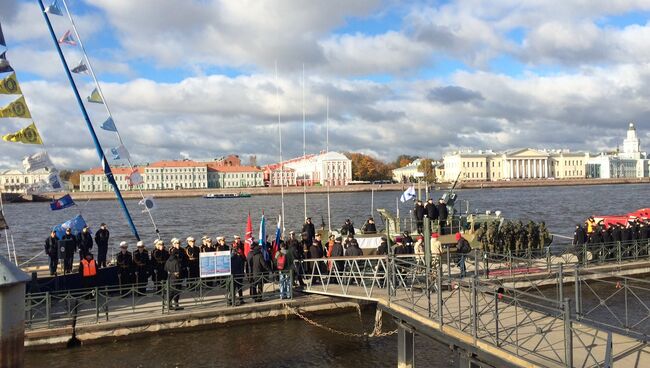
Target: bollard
12, 314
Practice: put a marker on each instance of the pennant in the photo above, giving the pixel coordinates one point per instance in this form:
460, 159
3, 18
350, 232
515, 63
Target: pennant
109, 125
4, 64
3, 222
38, 161
120, 153
76, 224
408, 194
262, 239
134, 178
67, 39
81, 68
28, 135
95, 97
9, 85
2, 39
54, 8
16, 109
54, 181
248, 238
148, 203
61, 203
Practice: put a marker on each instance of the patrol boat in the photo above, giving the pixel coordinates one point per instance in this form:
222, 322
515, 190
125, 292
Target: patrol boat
226, 195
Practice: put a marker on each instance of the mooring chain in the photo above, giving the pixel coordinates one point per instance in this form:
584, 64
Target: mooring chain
375, 333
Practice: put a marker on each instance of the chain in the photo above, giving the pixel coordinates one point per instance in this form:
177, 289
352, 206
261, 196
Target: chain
375, 333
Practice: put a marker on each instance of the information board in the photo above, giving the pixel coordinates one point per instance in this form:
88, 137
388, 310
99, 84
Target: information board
214, 264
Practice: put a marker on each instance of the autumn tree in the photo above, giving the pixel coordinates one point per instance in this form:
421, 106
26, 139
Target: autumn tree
403, 160
368, 168
426, 167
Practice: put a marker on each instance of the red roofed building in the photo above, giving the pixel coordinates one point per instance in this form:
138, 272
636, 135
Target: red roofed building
94, 179
181, 174
234, 176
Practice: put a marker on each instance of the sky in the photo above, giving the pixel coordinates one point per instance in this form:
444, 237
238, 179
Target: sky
204, 78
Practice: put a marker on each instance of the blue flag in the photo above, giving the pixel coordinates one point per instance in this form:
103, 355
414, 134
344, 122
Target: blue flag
75, 224
109, 125
262, 239
61, 203
278, 234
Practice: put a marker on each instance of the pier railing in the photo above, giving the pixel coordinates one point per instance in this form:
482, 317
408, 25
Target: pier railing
123, 302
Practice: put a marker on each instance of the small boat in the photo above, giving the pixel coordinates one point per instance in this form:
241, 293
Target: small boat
226, 195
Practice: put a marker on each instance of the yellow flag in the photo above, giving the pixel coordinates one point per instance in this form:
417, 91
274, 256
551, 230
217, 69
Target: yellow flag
27, 135
16, 109
9, 85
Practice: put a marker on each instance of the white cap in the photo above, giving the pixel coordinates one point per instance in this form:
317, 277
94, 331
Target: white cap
236, 236
190, 238
123, 245
220, 238
175, 240
157, 241
140, 244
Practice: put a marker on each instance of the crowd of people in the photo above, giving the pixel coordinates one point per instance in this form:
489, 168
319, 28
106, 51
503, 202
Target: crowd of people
512, 237
626, 233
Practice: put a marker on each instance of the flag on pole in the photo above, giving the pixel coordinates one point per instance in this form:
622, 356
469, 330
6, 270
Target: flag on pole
81, 68
61, 203
3, 222
67, 39
262, 239
120, 153
2, 38
278, 236
9, 85
16, 109
248, 238
109, 125
38, 161
76, 224
27, 135
148, 203
95, 97
4, 64
54, 8
134, 178
408, 194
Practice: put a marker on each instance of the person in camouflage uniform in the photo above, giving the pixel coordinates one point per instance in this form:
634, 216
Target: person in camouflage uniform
492, 236
520, 237
533, 235
507, 237
544, 236
481, 236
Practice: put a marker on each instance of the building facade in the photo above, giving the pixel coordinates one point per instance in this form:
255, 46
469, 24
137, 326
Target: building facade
234, 176
630, 163
94, 180
331, 168
16, 181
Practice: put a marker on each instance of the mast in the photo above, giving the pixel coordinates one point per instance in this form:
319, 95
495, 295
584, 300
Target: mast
100, 152
327, 150
2, 212
304, 144
277, 97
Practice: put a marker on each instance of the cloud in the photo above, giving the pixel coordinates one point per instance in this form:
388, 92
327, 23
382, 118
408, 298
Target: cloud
453, 94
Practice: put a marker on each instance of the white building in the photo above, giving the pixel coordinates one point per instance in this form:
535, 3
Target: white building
16, 181
220, 176
94, 180
183, 174
331, 168
630, 163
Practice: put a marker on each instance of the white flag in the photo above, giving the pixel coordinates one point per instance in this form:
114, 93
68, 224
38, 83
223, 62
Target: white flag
408, 194
120, 153
148, 203
37, 161
51, 184
134, 178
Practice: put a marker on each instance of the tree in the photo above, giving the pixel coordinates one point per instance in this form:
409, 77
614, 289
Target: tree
403, 160
365, 167
426, 167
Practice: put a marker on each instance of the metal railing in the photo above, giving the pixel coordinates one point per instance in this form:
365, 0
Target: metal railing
98, 304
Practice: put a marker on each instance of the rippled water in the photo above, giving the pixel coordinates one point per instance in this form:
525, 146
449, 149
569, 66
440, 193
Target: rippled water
560, 207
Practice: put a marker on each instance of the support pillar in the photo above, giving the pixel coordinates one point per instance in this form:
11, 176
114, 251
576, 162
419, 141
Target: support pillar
546, 168
405, 346
516, 169
12, 314
528, 174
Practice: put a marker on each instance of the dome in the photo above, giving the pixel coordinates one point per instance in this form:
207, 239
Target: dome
631, 126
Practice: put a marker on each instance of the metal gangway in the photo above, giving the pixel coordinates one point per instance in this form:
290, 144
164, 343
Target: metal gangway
506, 311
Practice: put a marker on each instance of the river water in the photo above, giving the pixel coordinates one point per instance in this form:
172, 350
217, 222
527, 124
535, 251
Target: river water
290, 343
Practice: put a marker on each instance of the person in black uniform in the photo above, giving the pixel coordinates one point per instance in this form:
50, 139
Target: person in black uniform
294, 254
337, 251
237, 269
173, 269
85, 241
159, 257
125, 265
347, 228
181, 256
221, 244
207, 245
142, 262
353, 249
101, 239
52, 251
419, 215
409, 247
193, 257
431, 210
309, 229
382, 249
69, 244
442, 216
258, 267
369, 227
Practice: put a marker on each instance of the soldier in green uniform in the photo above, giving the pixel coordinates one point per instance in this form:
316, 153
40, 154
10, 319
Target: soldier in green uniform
520, 238
481, 236
533, 236
491, 236
544, 236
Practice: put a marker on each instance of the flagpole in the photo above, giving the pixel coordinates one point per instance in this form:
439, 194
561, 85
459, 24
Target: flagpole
304, 141
98, 147
327, 150
277, 97
108, 110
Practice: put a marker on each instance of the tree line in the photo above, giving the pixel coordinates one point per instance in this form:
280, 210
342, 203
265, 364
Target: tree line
368, 168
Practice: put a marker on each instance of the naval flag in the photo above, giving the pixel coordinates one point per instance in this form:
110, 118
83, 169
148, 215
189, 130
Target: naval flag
408, 194
248, 238
61, 203
120, 153
67, 39
76, 224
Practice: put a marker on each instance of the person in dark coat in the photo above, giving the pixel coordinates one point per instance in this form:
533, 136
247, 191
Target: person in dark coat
221, 244
294, 255
316, 250
431, 210
348, 228
237, 269
69, 244
382, 249
85, 241
399, 248
337, 251
258, 266
173, 270
309, 229
579, 235
158, 259
369, 227
617, 234
142, 262
353, 249
442, 216
419, 213
101, 239
409, 246
192, 252
182, 256
125, 265
52, 251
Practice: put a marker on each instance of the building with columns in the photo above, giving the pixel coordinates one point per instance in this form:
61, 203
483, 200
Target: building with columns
17, 181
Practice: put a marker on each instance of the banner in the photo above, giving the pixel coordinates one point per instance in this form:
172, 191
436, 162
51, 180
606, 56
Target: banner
3, 222
120, 153
76, 224
134, 178
148, 203
262, 239
4, 64
37, 161
67, 39
248, 238
27, 135
54, 181
81, 68
2, 38
16, 109
408, 194
109, 125
213, 264
95, 97
61, 203
51, 184
9, 85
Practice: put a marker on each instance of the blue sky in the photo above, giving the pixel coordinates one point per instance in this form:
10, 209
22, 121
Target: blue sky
197, 78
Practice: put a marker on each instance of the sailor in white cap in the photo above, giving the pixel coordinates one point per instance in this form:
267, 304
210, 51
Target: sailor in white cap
125, 265
192, 252
221, 244
158, 258
180, 253
237, 244
207, 247
141, 260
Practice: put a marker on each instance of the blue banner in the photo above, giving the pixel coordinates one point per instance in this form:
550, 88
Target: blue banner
76, 224
61, 203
